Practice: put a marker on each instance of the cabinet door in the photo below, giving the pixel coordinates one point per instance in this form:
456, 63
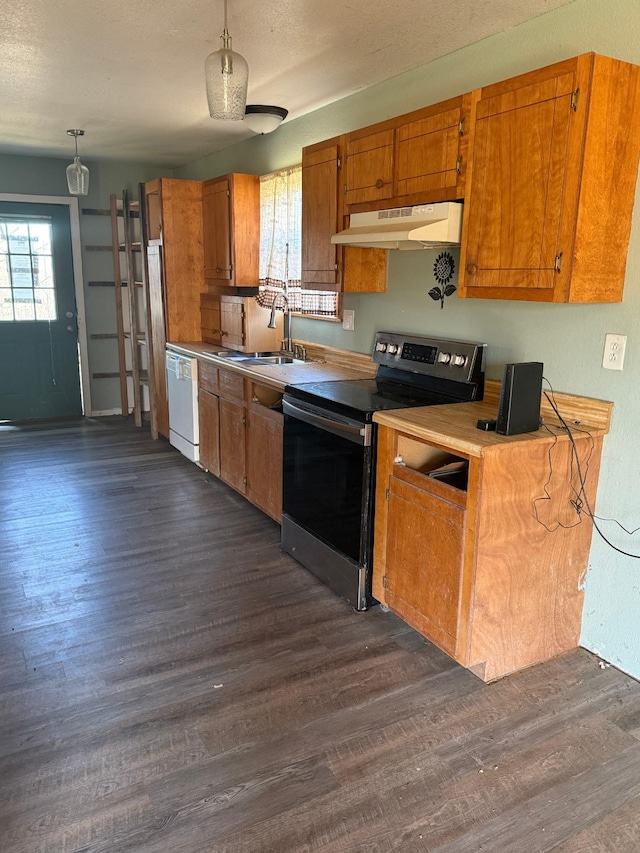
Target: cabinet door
427, 155
232, 444
369, 167
211, 319
209, 419
216, 216
423, 574
515, 203
320, 218
264, 460
232, 324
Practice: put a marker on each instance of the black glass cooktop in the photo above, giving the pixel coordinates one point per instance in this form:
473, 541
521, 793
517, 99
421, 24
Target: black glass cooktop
363, 397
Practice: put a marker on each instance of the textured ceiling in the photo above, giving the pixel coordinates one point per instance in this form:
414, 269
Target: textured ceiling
130, 72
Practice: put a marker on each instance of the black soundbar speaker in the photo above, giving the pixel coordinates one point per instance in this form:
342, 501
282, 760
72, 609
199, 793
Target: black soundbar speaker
519, 409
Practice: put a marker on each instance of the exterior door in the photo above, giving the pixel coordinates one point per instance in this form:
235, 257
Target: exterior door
38, 325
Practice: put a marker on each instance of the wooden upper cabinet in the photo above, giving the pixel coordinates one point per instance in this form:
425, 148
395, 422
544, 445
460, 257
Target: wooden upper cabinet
368, 166
326, 266
216, 218
552, 185
231, 230
175, 281
431, 152
320, 216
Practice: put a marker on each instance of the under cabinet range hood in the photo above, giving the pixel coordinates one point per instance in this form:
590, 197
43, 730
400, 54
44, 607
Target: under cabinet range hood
425, 226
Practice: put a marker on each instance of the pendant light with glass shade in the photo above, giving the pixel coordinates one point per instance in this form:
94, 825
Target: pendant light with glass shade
77, 174
227, 77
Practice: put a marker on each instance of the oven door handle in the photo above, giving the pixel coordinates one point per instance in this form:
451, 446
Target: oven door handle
357, 433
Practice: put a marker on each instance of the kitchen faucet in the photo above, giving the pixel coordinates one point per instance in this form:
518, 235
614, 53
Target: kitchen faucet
286, 343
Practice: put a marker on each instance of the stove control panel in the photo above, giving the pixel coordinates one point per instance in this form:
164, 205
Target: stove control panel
440, 357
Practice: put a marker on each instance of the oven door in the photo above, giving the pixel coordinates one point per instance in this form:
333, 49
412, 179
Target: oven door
328, 496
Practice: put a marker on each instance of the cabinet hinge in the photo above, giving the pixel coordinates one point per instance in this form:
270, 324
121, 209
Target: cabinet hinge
459, 165
387, 495
245, 481
228, 193
384, 581
574, 100
557, 264
339, 163
336, 266
344, 189
461, 127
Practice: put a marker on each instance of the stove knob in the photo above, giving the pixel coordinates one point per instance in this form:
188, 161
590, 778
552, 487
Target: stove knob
459, 360
392, 349
381, 346
444, 358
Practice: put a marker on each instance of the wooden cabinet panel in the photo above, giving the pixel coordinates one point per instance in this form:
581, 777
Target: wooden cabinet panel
209, 419
424, 561
431, 152
264, 459
175, 281
231, 225
230, 385
216, 218
326, 266
320, 217
211, 319
369, 166
232, 324
554, 165
232, 444
208, 376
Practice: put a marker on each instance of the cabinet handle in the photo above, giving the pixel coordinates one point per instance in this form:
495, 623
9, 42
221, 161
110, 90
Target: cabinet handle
472, 269
244, 419
459, 165
379, 183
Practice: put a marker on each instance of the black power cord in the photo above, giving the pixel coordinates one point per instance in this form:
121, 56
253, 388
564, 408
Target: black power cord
581, 500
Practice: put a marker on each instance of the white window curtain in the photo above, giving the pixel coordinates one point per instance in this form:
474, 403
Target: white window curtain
281, 246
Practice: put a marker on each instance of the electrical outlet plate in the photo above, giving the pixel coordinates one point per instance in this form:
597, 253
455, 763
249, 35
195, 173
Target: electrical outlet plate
614, 347
348, 320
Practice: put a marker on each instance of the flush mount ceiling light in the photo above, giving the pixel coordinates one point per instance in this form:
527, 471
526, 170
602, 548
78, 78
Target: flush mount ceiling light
264, 119
226, 75
77, 174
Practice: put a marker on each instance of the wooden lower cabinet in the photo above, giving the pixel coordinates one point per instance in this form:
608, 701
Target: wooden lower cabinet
241, 435
209, 417
264, 458
491, 571
233, 420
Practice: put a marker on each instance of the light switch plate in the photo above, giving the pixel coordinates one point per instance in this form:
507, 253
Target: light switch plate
614, 347
348, 320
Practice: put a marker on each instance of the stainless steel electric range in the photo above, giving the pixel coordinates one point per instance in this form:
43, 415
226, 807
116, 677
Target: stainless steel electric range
330, 450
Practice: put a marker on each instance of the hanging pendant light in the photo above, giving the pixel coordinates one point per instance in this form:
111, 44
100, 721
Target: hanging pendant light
77, 174
227, 76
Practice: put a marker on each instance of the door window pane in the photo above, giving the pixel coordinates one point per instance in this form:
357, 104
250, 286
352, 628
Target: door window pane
27, 285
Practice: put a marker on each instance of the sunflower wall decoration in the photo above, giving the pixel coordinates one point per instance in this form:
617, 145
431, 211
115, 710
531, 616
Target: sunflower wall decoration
443, 271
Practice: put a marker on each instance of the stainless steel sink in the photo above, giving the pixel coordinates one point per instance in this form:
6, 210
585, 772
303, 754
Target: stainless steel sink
278, 359
228, 354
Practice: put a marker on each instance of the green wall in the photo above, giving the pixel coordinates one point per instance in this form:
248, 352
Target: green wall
567, 338
47, 176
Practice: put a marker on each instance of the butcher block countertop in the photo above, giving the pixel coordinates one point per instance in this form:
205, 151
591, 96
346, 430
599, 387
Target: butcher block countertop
324, 365
454, 425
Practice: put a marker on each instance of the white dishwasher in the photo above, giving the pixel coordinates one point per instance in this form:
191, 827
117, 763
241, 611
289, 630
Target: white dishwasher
182, 394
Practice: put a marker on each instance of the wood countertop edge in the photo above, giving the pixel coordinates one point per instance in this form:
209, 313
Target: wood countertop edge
277, 376
453, 426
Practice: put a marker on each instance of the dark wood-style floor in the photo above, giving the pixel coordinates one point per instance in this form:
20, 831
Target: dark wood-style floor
172, 683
